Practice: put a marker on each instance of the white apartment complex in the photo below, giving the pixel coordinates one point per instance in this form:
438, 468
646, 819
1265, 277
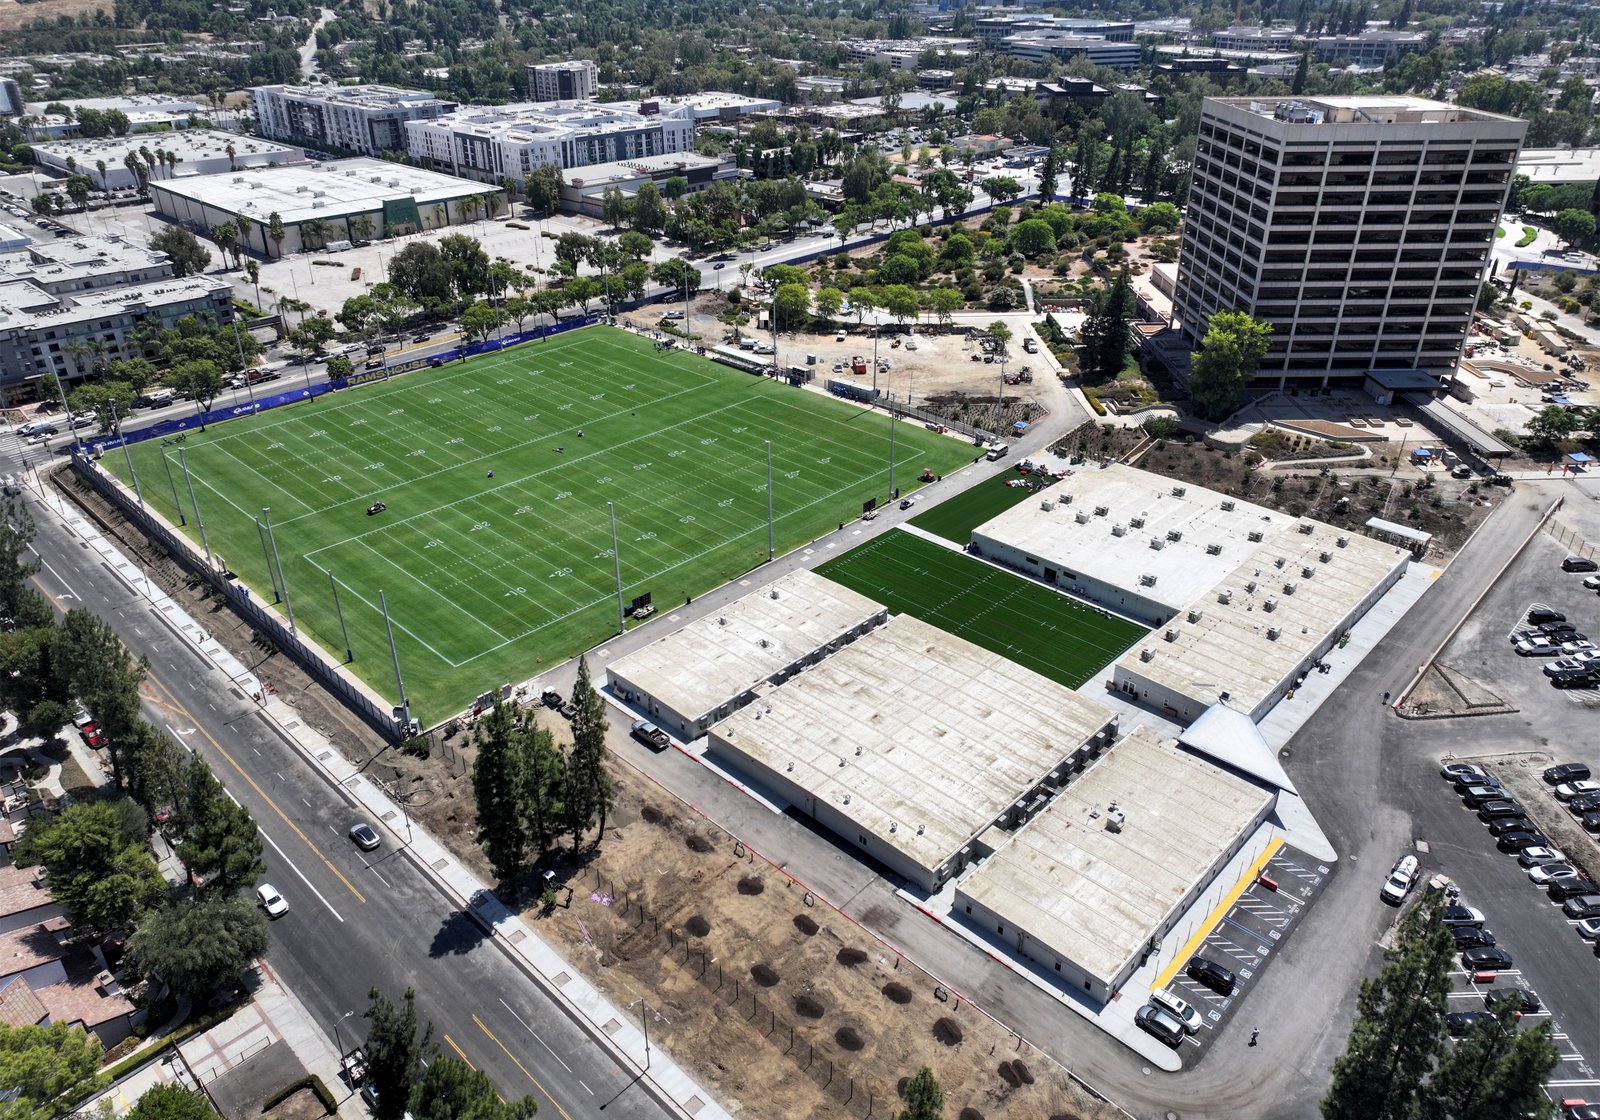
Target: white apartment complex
577, 79
491, 143
365, 120
1359, 227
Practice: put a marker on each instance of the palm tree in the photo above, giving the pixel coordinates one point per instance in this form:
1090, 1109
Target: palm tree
72, 165
275, 232
226, 237
361, 227
171, 160
233, 163
252, 273
100, 166
149, 159
314, 230
441, 213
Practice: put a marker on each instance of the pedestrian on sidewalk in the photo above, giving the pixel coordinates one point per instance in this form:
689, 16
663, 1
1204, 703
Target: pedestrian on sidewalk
1386, 697
1255, 1033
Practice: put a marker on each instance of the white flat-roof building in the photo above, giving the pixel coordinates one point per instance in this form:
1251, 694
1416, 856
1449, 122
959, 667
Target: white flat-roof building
709, 107
1560, 166
576, 79
367, 120
38, 329
198, 151
145, 111
1087, 886
494, 142
1144, 545
708, 670
1043, 47
583, 189
395, 197
83, 263
911, 743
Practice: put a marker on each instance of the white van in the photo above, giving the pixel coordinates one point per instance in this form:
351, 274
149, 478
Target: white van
1179, 1008
155, 398
1401, 879
996, 451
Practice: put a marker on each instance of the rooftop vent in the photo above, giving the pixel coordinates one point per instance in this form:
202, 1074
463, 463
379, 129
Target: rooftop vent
1137, 522
1255, 535
1343, 542
1272, 633
1213, 550
1289, 588
858, 750
1147, 654
1306, 527
1147, 580
1179, 491
765, 644
847, 799
1227, 504
1194, 614
1307, 572
919, 829
1225, 596
1065, 500
1114, 818
1101, 511
1172, 634
894, 826
841, 761
1174, 534
1082, 518
789, 768
722, 622
1118, 530
1250, 587
1270, 605
1157, 543
1279, 562
774, 593
1047, 505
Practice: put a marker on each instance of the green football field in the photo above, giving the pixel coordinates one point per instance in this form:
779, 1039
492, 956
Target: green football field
956, 517
495, 551
1026, 622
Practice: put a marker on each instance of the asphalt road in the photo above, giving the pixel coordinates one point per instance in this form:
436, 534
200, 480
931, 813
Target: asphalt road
356, 920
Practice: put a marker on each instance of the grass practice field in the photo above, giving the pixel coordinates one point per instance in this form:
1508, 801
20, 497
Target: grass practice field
955, 518
495, 549
1055, 636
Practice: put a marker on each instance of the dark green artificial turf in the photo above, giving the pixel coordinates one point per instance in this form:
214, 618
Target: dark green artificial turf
486, 577
1027, 622
955, 518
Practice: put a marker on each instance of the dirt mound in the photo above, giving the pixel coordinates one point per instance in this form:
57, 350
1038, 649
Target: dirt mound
764, 974
651, 815
1009, 1075
970, 1114
751, 885
697, 926
849, 1039
897, 993
809, 1007
948, 1032
697, 843
806, 924
850, 957
1024, 1074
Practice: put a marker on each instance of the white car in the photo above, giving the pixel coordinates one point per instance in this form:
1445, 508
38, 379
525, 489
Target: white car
268, 898
1566, 791
1591, 583
82, 419
1535, 647
1178, 1007
1531, 857
1401, 878
1589, 929
766, 348
1572, 649
1546, 873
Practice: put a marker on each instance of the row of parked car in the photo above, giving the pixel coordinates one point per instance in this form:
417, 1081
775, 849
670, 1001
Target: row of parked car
1547, 633
1169, 1016
1571, 784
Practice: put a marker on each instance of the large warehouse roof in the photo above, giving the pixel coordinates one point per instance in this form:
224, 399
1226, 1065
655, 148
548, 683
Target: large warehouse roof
720, 656
1097, 896
1123, 525
190, 146
920, 737
302, 192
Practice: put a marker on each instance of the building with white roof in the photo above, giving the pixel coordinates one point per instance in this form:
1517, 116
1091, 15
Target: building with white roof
1560, 167
395, 197
83, 263
144, 111
198, 151
583, 189
709, 107
495, 142
1088, 886
39, 330
689, 679
576, 79
1044, 47
911, 744
366, 120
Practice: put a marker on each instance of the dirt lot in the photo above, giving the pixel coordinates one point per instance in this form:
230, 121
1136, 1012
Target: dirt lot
772, 996
14, 15
1522, 774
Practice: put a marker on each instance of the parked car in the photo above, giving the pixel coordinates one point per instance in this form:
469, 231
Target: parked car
1461, 916
550, 698
1567, 665
1161, 1023
1584, 803
1402, 877
1462, 772
1476, 797
1537, 615
1589, 928
1566, 791
1587, 677
1489, 810
1535, 647
1567, 772
1582, 906
1513, 842
1560, 631
1178, 1007
1470, 937
1459, 1023
1579, 564
650, 735
1509, 824
268, 898
1212, 975
1560, 890
1578, 646
1524, 1000
1532, 857
364, 836
1544, 874
1590, 821
1488, 958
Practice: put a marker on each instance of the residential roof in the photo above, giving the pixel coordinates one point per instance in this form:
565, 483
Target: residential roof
81, 1001
19, 1006
1097, 894
22, 890
31, 946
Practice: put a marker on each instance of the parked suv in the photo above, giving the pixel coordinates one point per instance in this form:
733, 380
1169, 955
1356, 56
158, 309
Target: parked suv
1579, 564
1160, 1023
1560, 890
1567, 772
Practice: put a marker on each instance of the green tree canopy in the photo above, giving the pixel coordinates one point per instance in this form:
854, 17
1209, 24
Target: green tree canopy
1574, 225
104, 878
189, 257
924, 1098
200, 947
221, 844
1033, 237
395, 1051
1551, 424
1103, 339
44, 1063
171, 1102
1228, 357
453, 1090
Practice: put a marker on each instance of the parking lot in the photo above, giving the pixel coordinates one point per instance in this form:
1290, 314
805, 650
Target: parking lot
1245, 939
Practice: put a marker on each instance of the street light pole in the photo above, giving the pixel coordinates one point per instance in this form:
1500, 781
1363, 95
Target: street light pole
266, 519
337, 1044
349, 654
198, 520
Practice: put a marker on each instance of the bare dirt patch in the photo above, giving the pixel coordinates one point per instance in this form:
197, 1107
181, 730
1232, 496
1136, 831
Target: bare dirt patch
14, 15
302, 1105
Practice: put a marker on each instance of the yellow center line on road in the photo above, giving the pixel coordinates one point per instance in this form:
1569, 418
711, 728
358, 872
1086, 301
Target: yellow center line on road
173, 703
523, 1068
460, 1053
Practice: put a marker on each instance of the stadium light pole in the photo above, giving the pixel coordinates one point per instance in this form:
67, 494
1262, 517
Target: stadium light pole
267, 556
891, 450
394, 655
770, 552
176, 504
126, 454
616, 560
266, 519
349, 654
183, 462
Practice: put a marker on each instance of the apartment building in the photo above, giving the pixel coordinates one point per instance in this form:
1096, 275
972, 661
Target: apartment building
1369, 48
363, 120
576, 79
1360, 227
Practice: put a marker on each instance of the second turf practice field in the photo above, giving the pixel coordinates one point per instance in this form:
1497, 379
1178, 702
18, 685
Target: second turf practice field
495, 546
1054, 635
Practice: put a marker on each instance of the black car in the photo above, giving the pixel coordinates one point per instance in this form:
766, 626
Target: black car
1494, 810
1579, 564
425, 336
1567, 772
1459, 1023
1584, 803
1513, 842
550, 698
1458, 916
1560, 890
1590, 822
1489, 958
1578, 678
1582, 906
1471, 937
1522, 999
1545, 614
1212, 975
1474, 797
1510, 824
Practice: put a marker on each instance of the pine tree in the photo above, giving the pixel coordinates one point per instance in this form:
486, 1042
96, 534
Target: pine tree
589, 791
499, 783
923, 1096
544, 782
1399, 1029
1049, 171
1103, 340
1496, 1070
395, 1054
221, 843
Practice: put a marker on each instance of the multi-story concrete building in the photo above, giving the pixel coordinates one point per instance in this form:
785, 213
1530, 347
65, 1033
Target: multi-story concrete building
1255, 38
1369, 48
43, 334
491, 143
576, 79
363, 120
1359, 227
1043, 47
83, 263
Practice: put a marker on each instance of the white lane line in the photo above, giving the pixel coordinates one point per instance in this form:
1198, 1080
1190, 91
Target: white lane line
535, 1034
585, 1087
301, 874
234, 799
381, 879
71, 594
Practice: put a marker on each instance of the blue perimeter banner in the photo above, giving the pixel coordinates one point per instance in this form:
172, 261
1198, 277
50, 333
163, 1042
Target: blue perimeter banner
167, 428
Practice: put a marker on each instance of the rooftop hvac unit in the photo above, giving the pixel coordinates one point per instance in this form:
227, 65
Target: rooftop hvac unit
1171, 634
301, 189
722, 622
774, 593
1280, 562
1307, 572
394, 182
1194, 614
1227, 504
1147, 580
375, 179
1255, 535
1306, 527
894, 826
1065, 499
1250, 587
919, 829
1179, 491
1213, 550
238, 178
1289, 588
318, 205
1174, 534
1118, 530
1137, 523
1046, 504
1270, 605
1114, 818
1147, 654
1157, 543
1272, 633
1343, 542
765, 644
1101, 511
1082, 518
1225, 596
